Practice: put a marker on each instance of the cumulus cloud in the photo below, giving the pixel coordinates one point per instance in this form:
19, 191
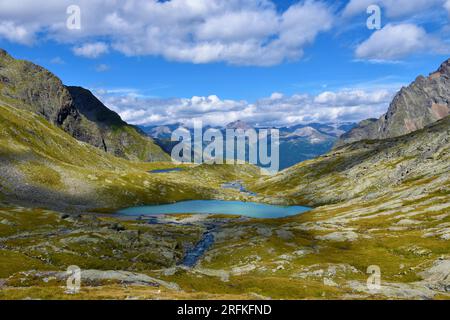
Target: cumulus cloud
102, 67
276, 110
394, 8
91, 50
410, 26
447, 6
353, 98
240, 32
57, 60
15, 33
244, 32
396, 41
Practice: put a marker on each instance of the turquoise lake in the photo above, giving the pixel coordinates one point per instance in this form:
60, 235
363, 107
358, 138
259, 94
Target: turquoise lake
248, 209
166, 170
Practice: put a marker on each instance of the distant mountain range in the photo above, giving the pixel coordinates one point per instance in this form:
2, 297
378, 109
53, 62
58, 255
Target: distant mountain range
297, 143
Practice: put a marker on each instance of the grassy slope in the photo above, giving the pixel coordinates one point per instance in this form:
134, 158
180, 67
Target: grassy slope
43, 165
33, 88
415, 163
279, 259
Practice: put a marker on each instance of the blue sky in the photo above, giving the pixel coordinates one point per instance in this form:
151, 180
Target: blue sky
265, 62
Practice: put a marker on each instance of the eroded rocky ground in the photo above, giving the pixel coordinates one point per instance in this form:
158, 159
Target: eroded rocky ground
322, 254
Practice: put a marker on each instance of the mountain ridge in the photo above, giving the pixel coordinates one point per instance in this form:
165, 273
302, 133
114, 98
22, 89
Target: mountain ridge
297, 142
74, 109
368, 168
424, 101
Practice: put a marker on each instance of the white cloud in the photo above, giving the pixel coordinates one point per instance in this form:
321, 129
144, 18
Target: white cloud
394, 8
353, 97
240, 32
277, 110
354, 7
447, 6
244, 32
239, 25
410, 26
396, 41
15, 33
276, 96
57, 60
102, 67
91, 50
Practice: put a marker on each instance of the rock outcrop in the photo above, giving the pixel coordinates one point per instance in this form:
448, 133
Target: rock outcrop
425, 101
77, 111
369, 169
110, 132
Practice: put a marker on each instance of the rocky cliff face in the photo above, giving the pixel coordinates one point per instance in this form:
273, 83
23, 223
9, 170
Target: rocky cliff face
110, 132
38, 90
28, 86
423, 102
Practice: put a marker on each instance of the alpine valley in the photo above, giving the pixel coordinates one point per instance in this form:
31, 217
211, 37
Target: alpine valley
379, 193
297, 143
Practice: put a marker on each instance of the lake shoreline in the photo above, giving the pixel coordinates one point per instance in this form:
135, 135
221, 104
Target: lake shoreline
216, 207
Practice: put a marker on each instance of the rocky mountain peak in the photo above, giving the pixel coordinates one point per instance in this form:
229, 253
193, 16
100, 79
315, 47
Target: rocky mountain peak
4, 54
239, 124
305, 132
312, 135
77, 111
423, 102
444, 69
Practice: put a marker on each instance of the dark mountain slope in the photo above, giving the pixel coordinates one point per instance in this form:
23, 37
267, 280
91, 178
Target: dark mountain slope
33, 88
